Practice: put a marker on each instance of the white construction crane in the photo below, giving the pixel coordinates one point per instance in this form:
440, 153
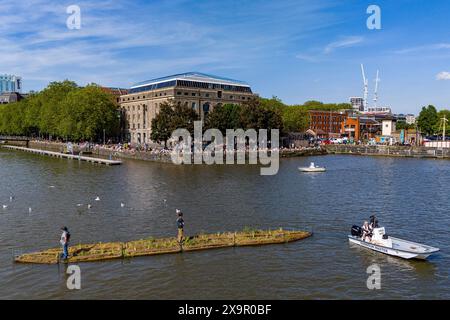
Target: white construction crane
375, 95
366, 87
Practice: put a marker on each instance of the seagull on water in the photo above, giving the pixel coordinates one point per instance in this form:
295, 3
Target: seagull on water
11, 198
89, 206
122, 204
29, 210
5, 206
97, 199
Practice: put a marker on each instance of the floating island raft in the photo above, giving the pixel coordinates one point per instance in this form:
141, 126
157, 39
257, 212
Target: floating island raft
152, 246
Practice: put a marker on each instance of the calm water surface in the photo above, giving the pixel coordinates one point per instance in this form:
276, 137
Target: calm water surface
410, 196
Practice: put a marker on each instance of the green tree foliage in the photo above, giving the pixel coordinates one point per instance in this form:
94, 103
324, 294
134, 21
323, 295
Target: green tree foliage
438, 128
63, 110
172, 116
317, 105
295, 119
255, 116
252, 114
267, 113
402, 125
427, 120
224, 117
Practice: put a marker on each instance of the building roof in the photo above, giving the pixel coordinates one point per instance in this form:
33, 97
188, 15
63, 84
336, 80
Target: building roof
193, 76
114, 90
364, 120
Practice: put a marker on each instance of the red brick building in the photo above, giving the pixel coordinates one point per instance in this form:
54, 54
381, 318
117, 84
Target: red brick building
326, 123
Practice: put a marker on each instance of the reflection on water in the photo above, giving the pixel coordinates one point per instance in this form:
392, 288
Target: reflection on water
408, 195
420, 267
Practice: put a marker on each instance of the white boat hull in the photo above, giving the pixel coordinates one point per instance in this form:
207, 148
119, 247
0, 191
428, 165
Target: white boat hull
400, 248
308, 169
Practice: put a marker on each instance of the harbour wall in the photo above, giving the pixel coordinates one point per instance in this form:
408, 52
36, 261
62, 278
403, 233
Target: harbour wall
390, 151
106, 153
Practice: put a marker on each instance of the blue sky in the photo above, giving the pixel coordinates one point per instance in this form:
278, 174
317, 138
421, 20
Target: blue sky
297, 50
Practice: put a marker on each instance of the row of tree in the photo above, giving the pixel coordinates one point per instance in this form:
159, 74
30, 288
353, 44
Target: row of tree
66, 111
430, 121
63, 111
257, 113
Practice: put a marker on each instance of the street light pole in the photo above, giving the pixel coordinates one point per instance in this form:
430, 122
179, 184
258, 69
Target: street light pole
104, 136
444, 120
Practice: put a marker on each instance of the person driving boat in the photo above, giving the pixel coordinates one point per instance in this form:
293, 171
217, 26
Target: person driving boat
373, 222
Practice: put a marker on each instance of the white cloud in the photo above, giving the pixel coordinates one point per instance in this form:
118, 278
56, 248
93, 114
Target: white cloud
345, 42
307, 57
444, 75
121, 42
424, 48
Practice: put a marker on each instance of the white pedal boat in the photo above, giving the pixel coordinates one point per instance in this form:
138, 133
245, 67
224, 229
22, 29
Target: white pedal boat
312, 168
393, 246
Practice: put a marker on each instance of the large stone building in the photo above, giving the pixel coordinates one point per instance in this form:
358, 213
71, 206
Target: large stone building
199, 91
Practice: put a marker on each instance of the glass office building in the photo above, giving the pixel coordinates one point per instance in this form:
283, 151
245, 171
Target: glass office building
10, 83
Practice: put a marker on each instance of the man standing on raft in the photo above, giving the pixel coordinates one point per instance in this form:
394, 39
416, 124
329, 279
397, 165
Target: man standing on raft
65, 238
180, 225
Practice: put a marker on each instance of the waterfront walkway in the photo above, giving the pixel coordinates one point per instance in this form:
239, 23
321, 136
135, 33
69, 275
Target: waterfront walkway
64, 155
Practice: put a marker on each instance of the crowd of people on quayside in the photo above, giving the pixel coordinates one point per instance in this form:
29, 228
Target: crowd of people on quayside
153, 149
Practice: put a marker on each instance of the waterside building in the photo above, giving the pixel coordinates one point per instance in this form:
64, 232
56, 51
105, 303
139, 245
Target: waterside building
199, 91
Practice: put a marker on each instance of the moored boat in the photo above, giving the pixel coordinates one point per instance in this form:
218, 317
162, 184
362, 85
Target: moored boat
312, 168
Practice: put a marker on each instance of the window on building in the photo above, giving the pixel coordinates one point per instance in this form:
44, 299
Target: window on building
206, 107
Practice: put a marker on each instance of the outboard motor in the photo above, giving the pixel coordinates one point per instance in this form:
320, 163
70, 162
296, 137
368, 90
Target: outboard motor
356, 231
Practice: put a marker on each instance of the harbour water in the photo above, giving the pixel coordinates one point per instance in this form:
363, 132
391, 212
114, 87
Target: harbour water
410, 197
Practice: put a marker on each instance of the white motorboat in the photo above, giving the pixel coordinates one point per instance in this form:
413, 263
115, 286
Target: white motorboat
383, 243
312, 168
